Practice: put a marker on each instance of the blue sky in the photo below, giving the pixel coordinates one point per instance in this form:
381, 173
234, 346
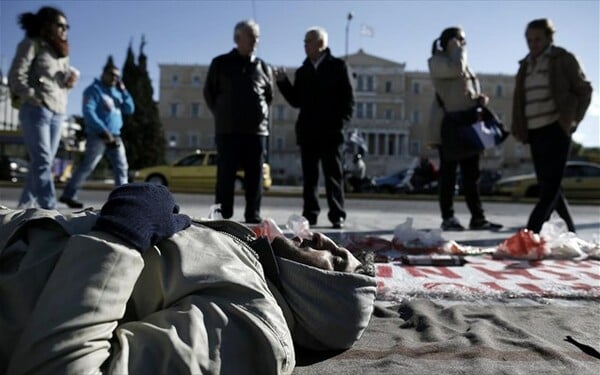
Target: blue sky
193, 32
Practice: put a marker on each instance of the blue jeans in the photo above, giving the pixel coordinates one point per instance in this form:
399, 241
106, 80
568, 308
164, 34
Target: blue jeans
41, 135
95, 148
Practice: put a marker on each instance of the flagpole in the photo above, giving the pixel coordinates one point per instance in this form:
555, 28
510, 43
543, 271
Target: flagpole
349, 18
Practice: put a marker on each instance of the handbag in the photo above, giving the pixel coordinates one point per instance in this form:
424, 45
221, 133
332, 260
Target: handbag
467, 133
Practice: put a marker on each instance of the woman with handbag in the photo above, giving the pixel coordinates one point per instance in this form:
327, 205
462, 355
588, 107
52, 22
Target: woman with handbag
39, 80
457, 89
550, 99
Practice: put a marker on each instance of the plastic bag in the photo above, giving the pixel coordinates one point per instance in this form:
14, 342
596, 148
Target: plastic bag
299, 226
214, 212
408, 239
525, 244
267, 228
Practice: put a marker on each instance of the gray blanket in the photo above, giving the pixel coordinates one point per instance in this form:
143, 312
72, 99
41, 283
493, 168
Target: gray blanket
422, 337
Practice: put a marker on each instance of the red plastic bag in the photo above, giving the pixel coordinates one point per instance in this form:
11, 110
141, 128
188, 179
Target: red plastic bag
525, 244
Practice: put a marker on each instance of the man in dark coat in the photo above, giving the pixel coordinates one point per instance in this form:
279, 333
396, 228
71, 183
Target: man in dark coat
239, 91
323, 93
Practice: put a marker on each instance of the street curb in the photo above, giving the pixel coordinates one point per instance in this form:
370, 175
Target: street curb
296, 191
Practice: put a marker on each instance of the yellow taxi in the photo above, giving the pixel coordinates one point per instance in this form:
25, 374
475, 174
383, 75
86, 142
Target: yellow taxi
196, 172
581, 180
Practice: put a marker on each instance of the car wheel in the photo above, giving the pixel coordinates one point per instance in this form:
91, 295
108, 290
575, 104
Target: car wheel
533, 191
157, 179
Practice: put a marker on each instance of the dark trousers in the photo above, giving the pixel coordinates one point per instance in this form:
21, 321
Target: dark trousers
469, 169
549, 151
245, 152
331, 160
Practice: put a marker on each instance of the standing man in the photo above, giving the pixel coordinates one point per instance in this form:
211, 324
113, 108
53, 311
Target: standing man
550, 99
323, 93
104, 103
239, 91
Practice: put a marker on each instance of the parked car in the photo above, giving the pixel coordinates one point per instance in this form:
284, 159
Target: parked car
13, 169
195, 172
581, 180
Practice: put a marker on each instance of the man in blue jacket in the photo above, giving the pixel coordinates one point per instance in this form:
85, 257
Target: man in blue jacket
104, 103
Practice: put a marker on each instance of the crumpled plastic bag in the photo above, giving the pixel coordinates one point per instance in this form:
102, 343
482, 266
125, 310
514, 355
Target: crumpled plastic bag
525, 245
564, 244
410, 240
267, 228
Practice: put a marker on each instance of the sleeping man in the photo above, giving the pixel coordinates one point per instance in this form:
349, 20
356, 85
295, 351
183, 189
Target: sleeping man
139, 288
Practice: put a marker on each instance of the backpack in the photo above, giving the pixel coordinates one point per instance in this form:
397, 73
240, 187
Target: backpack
15, 100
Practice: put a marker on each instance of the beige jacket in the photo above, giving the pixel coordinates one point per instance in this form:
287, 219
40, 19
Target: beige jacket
456, 85
571, 92
36, 72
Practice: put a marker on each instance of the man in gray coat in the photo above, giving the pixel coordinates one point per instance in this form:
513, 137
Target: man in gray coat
138, 288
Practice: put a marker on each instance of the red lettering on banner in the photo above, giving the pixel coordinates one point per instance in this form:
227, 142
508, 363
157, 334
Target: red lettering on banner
494, 286
505, 273
561, 275
436, 271
592, 275
531, 288
384, 271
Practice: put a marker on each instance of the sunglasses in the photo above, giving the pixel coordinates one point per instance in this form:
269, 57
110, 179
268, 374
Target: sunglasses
64, 26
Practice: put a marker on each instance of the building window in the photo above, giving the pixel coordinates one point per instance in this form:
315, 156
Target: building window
499, 90
415, 148
416, 88
280, 112
196, 81
381, 144
174, 80
359, 83
388, 86
416, 117
391, 144
371, 144
195, 110
370, 83
174, 110
279, 143
369, 110
194, 140
388, 114
360, 110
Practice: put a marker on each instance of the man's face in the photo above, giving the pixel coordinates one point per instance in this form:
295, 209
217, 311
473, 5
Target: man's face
312, 45
246, 42
322, 253
537, 41
111, 77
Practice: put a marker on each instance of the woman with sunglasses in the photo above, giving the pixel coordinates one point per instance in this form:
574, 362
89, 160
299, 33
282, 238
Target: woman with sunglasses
457, 89
40, 78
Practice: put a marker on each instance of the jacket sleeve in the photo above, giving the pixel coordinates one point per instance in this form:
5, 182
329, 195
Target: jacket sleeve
347, 94
70, 329
18, 75
91, 101
211, 85
128, 106
451, 67
580, 87
289, 91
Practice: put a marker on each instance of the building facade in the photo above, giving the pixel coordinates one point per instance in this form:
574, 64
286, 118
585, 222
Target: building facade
391, 114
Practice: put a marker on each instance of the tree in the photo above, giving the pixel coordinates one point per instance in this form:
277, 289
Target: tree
142, 131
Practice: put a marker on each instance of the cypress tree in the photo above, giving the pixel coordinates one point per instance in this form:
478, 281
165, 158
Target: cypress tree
142, 131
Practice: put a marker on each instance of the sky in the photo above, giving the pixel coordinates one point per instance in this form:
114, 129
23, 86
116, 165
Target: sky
193, 32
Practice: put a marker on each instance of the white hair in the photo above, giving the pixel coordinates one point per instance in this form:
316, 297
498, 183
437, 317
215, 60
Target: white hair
321, 34
244, 27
